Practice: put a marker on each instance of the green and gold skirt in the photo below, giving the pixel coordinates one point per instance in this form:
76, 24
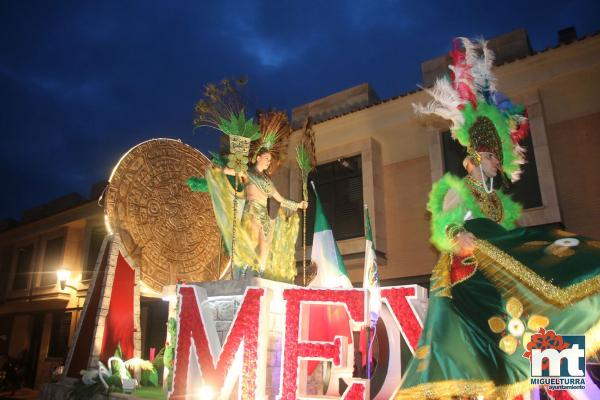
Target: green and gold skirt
480, 321
281, 264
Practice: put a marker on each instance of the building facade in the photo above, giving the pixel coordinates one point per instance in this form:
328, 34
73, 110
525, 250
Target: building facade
399, 156
38, 316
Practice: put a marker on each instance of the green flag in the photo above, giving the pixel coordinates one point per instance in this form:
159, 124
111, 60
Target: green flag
331, 271
371, 273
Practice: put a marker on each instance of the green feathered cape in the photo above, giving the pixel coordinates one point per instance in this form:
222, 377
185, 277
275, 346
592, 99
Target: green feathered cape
440, 219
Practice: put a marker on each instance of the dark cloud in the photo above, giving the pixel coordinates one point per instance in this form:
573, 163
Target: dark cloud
82, 82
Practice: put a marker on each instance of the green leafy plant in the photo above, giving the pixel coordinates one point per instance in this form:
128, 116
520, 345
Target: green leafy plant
238, 125
303, 159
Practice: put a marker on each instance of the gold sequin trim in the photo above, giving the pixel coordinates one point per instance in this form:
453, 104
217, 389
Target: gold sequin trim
593, 243
492, 262
440, 277
489, 203
448, 389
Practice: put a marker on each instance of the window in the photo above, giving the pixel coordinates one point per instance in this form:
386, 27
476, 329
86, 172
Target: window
96, 239
53, 257
340, 189
526, 191
59, 336
23, 266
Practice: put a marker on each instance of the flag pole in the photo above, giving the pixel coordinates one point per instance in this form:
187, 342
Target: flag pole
367, 313
233, 232
304, 191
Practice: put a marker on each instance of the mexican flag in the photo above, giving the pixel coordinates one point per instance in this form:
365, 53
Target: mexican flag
327, 321
371, 284
371, 273
331, 271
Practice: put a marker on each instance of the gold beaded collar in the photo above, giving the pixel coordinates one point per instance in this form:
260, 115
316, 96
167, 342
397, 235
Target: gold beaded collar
489, 203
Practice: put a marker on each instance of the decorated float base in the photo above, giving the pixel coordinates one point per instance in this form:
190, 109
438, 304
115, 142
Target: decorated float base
223, 300
259, 339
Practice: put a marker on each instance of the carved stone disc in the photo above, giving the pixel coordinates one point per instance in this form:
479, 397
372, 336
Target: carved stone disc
168, 231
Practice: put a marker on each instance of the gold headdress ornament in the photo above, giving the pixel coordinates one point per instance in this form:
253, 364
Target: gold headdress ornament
222, 109
482, 119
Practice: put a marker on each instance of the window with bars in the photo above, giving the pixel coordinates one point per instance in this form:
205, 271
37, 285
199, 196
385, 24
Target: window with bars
53, 257
340, 189
96, 238
525, 191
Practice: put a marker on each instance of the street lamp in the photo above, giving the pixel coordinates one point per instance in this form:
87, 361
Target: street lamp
63, 276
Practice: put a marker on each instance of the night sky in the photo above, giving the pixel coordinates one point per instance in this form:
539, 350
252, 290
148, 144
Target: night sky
81, 82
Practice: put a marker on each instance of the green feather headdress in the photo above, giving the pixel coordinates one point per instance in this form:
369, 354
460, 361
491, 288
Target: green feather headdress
222, 108
274, 130
482, 119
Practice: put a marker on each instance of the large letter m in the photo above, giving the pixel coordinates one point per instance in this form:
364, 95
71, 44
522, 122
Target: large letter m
219, 368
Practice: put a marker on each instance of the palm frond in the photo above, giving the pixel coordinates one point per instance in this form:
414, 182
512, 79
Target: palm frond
238, 125
222, 102
303, 160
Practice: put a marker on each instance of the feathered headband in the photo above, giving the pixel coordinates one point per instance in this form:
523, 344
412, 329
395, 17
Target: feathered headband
274, 134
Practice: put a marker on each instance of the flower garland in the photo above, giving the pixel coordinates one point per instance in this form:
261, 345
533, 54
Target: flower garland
410, 324
245, 328
295, 349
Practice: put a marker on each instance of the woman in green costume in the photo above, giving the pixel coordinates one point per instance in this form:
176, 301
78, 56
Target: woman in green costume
257, 242
495, 285
255, 218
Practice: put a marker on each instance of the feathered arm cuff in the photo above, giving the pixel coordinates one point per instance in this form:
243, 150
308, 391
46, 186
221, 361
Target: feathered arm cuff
289, 204
512, 210
445, 225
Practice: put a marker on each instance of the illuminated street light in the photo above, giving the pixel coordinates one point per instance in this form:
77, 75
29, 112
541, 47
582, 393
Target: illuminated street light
63, 276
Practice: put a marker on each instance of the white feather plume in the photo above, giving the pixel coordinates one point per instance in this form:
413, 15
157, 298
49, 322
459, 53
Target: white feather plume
445, 103
483, 77
470, 50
